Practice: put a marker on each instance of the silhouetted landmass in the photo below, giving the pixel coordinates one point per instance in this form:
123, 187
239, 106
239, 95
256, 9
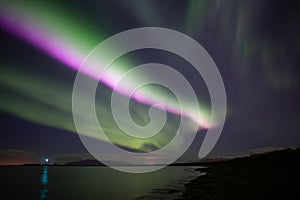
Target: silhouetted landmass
85, 162
92, 162
273, 175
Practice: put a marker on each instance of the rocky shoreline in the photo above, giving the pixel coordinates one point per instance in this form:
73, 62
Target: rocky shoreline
272, 175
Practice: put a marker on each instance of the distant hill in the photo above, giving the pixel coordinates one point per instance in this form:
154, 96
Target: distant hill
276, 154
85, 162
91, 162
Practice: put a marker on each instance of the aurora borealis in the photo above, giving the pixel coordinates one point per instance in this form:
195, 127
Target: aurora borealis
255, 44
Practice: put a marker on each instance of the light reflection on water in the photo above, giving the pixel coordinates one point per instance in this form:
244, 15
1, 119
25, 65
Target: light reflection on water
92, 182
44, 182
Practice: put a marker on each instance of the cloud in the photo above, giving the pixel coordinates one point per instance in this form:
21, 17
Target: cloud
18, 157
265, 150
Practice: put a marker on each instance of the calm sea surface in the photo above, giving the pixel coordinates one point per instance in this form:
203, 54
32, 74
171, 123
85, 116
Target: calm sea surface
76, 182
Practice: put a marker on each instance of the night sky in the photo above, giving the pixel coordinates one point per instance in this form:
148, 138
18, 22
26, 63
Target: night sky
255, 45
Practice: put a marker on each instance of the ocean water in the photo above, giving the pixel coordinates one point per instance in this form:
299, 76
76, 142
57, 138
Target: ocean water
92, 182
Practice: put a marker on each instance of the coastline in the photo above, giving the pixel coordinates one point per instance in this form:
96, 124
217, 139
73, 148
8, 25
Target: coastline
175, 188
272, 175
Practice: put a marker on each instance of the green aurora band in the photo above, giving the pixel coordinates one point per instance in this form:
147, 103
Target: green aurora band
69, 41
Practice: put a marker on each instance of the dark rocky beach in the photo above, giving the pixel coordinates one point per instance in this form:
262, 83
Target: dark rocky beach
273, 175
